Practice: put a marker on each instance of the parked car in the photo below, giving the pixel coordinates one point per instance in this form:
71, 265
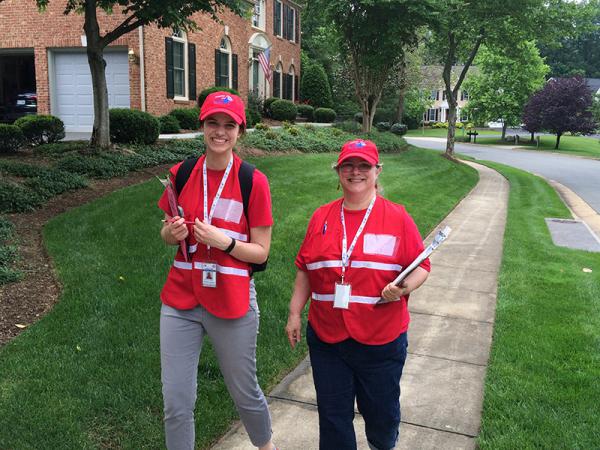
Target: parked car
25, 103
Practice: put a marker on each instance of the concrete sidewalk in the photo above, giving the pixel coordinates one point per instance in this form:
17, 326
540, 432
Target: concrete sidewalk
449, 341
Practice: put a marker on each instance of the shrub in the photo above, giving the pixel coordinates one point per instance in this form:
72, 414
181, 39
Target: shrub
261, 126
271, 134
383, 126
15, 198
187, 117
254, 110
93, 166
381, 115
294, 131
41, 129
55, 182
168, 124
324, 115
349, 126
314, 86
8, 253
399, 128
267, 106
306, 111
11, 138
440, 125
346, 110
284, 110
212, 89
131, 126
459, 125
412, 122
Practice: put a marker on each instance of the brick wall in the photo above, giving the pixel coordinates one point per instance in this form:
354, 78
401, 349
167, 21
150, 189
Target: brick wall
24, 27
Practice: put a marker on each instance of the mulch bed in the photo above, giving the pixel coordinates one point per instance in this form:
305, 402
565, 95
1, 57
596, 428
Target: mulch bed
26, 301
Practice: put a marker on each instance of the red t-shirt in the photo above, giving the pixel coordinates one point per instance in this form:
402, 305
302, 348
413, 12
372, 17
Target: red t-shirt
390, 241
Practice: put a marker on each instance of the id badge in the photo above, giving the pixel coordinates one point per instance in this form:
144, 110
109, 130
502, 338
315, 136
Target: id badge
209, 274
342, 295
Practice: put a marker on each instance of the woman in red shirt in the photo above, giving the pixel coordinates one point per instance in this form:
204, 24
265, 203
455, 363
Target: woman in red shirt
212, 292
353, 249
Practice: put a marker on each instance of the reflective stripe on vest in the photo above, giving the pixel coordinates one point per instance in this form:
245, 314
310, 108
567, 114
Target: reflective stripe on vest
353, 298
355, 264
232, 234
221, 269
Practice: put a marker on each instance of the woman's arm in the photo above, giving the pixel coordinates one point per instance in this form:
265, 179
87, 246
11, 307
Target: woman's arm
297, 303
174, 230
256, 251
410, 283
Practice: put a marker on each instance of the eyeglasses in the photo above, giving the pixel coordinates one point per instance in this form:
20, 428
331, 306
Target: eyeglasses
362, 167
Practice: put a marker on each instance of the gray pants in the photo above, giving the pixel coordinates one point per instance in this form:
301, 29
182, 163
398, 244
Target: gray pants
234, 342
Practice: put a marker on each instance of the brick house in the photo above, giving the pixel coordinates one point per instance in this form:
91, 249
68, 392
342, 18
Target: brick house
433, 87
151, 69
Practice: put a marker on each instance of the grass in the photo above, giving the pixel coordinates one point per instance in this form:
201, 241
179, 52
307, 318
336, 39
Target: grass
542, 386
88, 374
572, 145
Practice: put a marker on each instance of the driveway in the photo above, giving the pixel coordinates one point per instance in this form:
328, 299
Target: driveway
581, 175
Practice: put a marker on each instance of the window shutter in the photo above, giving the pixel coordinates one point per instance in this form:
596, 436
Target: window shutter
169, 66
297, 26
285, 21
296, 88
217, 67
277, 84
234, 71
192, 71
277, 18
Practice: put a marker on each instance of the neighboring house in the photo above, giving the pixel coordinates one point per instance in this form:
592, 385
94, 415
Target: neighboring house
433, 87
594, 85
151, 69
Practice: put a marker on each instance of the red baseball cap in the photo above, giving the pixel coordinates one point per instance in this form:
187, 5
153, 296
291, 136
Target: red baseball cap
360, 148
224, 102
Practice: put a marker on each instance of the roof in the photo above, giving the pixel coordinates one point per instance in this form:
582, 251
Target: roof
593, 84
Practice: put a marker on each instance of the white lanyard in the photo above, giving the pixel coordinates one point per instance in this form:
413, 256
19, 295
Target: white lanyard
346, 252
208, 217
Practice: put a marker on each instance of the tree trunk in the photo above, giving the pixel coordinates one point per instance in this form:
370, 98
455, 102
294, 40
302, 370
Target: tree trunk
558, 135
400, 109
504, 126
451, 129
532, 136
101, 131
95, 53
369, 106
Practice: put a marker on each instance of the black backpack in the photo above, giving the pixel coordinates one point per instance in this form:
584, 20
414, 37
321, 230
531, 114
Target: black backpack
245, 177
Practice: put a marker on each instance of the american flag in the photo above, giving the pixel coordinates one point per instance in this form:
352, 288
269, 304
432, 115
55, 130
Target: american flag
263, 59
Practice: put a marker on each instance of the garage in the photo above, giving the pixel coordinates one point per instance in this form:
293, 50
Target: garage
71, 87
17, 84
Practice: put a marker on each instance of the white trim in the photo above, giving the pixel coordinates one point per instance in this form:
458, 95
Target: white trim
142, 67
221, 269
182, 265
181, 40
353, 298
235, 235
354, 264
375, 265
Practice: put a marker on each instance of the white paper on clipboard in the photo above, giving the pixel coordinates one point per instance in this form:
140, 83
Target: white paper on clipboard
437, 240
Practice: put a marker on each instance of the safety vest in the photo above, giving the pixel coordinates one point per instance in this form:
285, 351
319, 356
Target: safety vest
389, 242
183, 288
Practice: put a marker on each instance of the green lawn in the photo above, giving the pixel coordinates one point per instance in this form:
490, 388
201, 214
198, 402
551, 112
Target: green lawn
572, 145
542, 389
88, 375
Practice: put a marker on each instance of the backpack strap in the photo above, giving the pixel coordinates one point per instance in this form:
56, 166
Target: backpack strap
246, 178
184, 172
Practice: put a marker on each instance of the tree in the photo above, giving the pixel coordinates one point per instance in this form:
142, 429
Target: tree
562, 105
373, 35
135, 13
409, 76
465, 25
503, 84
596, 108
314, 85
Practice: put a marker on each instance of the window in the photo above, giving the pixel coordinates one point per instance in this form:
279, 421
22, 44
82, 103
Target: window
277, 18
288, 84
464, 95
226, 65
258, 16
289, 16
444, 94
435, 94
256, 77
432, 115
181, 66
277, 74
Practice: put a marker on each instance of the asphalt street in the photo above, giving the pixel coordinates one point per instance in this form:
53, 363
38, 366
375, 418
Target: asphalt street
581, 175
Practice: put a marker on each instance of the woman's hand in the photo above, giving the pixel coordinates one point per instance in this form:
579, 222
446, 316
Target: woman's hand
393, 293
294, 329
174, 230
210, 235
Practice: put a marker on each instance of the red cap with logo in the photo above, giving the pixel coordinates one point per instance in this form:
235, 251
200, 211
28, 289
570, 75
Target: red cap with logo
224, 102
359, 148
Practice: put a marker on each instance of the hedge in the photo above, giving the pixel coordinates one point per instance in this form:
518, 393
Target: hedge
212, 89
324, 115
11, 138
284, 110
314, 86
131, 126
41, 129
168, 124
306, 111
187, 117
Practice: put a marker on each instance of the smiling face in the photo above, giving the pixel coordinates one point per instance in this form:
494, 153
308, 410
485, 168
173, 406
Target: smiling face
358, 176
221, 133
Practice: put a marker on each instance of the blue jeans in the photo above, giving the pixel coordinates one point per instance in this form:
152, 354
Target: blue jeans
370, 374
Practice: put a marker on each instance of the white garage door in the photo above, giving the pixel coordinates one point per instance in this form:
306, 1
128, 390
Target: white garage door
73, 100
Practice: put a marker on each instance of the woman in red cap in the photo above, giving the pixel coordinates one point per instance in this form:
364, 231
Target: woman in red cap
353, 249
212, 291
